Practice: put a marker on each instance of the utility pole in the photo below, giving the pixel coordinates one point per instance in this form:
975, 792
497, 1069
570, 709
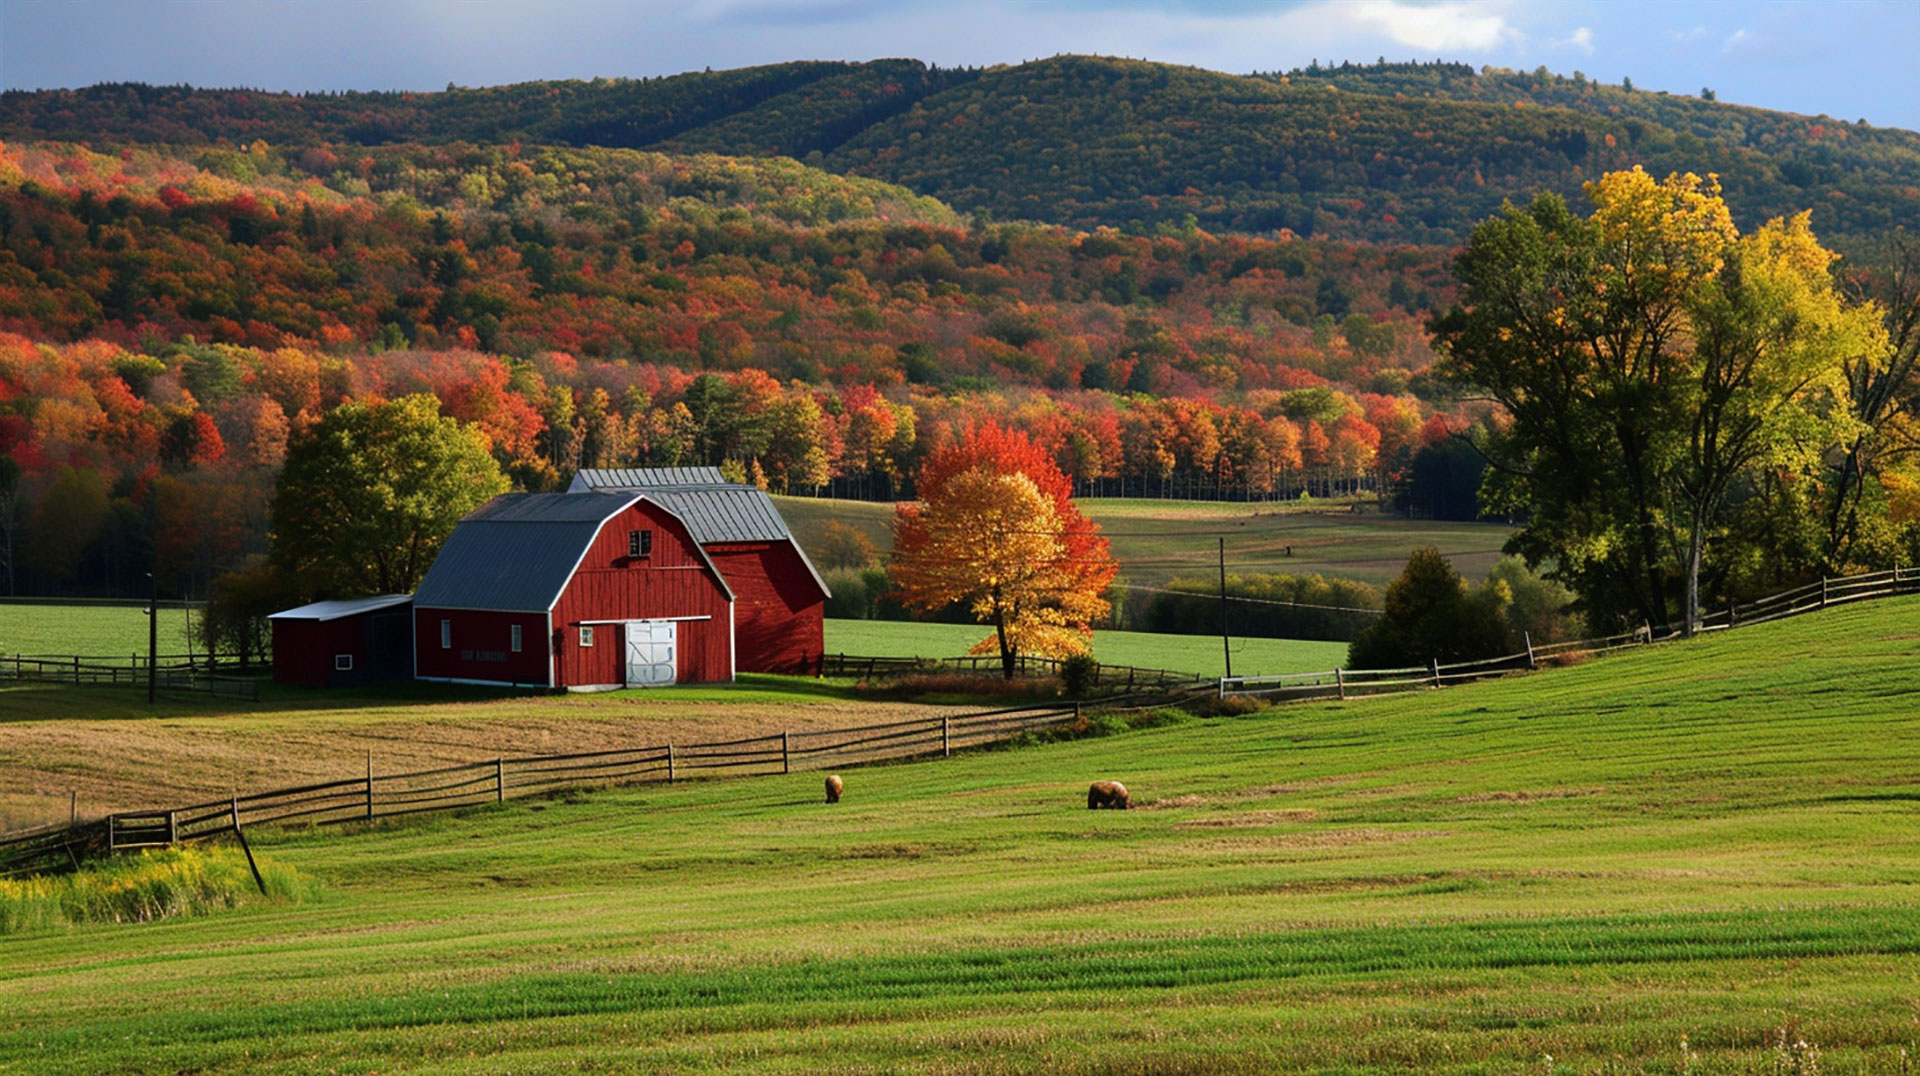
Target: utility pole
153, 632
1226, 640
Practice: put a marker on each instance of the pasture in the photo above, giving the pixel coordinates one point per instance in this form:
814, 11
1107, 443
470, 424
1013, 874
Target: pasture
1199, 654
100, 629
1698, 857
1156, 541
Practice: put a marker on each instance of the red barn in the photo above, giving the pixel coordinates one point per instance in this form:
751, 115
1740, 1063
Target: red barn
780, 600
343, 643
582, 591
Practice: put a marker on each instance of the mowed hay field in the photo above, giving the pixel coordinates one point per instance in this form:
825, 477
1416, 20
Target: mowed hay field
1690, 858
106, 750
1200, 655
1155, 541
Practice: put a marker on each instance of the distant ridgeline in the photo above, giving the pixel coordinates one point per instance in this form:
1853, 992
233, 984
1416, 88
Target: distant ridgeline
1413, 153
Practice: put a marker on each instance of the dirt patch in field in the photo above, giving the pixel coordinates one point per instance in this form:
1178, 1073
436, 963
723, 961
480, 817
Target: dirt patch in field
1251, 819
121, 763
1529, 795
1332, 838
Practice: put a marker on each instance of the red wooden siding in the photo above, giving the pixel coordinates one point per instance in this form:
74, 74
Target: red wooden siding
671, 582
779, 610
303, 650
482, 646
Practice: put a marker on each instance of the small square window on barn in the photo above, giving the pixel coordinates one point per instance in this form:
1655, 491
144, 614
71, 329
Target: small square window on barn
639, 543
446, 635
586, 635
516, 638
343, 663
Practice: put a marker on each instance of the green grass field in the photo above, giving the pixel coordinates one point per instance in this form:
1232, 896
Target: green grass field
1155, 541
1198, 654
1689, 858
114, 631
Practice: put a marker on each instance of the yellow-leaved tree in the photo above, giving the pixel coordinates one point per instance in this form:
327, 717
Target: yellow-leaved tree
996, 529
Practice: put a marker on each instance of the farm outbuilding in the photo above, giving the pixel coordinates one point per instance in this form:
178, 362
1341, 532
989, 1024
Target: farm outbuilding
344, 643
780, 599
583, 591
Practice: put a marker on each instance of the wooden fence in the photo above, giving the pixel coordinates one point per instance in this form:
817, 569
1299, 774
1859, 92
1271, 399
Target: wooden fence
472, 784
1352, 683
1113, 678
171, 672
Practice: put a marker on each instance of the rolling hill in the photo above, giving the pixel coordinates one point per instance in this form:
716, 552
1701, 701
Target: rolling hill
1695, 857
1405, 153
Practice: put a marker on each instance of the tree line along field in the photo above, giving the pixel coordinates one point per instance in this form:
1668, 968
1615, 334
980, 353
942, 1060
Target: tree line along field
1691, 858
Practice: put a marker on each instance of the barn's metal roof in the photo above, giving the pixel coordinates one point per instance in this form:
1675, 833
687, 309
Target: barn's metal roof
715, 510
594, 478
516, 552
335, 610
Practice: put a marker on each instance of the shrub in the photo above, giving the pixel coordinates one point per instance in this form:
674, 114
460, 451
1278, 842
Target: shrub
1077, 675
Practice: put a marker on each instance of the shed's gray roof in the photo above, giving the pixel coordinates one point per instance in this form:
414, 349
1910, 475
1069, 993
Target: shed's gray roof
594, 478
516, 552
335, 610
716, 511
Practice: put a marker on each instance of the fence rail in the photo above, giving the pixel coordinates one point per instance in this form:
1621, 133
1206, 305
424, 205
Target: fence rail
496, 780
1352, 683
1115, 678
173, 672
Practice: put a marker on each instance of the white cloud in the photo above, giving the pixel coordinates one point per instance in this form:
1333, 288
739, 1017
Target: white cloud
1473, 27
1581, 39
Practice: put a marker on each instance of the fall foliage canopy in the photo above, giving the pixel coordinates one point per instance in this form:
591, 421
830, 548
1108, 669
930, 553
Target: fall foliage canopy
998, 531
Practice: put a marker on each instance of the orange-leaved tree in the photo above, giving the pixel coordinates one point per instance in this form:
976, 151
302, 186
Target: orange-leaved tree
996, 528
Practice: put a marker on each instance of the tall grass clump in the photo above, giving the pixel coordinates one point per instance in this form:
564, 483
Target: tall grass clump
156, 884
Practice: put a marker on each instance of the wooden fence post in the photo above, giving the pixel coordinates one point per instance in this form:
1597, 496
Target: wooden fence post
173, 828
1823, 592
369, 783
244, 847
669, 763
1340, 684
1433, 669
499, 780
946, 736
76, 668
1531, 663
785, 766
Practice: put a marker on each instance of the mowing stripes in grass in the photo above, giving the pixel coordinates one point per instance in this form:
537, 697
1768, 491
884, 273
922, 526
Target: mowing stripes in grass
1001, 972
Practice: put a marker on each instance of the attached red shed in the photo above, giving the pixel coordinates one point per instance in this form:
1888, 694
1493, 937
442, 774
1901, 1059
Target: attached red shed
780, 599
586, 592
343, 643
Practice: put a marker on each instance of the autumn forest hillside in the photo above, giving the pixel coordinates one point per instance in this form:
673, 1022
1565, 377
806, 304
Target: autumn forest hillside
1176, 282
1413, 153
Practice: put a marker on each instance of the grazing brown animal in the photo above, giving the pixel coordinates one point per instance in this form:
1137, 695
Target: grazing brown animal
1107, 795
834, 785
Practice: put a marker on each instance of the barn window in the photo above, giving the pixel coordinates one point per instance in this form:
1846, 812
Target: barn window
343, 663
639, 543
516, 638
446, 635
586, 635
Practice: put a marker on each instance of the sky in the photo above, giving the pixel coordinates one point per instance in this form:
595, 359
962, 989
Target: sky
1850, 59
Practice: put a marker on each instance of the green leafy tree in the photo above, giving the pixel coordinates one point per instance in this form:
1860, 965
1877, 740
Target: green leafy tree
1650, 360
370, 493
1432, 615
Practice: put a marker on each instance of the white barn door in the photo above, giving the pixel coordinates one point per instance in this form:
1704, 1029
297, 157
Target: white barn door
652, 652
